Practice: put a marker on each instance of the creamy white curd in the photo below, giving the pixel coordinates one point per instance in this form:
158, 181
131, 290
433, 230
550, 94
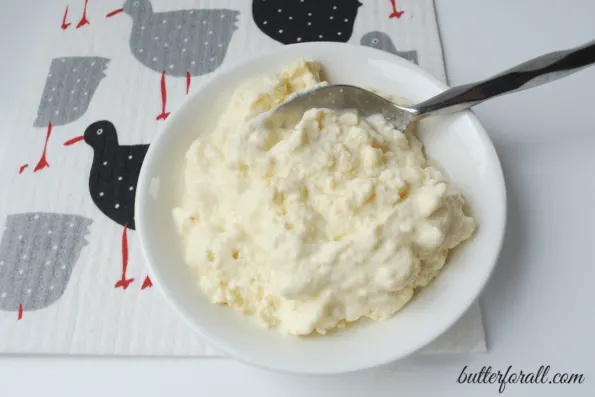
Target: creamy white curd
312, 227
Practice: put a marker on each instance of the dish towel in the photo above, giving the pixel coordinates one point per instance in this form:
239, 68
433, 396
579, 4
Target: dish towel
72, 277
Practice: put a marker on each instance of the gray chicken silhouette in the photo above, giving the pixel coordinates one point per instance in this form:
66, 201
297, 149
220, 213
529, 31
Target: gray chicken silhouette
70, 85
178, 43
381, 41
37, 254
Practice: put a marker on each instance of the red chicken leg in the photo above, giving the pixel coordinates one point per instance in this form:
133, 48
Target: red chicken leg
20, 313
188, 81
395, 14
43, 163
124, 282
147, 283
84, 21
163, 114
65, 25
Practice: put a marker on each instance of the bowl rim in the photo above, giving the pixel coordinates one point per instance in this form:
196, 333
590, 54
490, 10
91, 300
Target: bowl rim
220, 343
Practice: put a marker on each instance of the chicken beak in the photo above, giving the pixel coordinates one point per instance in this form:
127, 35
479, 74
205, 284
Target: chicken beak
115, 12
74, 140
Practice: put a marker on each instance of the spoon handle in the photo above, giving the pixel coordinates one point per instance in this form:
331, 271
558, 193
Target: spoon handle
540, 70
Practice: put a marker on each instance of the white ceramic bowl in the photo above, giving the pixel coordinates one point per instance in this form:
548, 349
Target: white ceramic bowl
458, 143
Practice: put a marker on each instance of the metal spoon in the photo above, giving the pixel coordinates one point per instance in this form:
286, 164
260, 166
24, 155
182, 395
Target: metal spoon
537, 71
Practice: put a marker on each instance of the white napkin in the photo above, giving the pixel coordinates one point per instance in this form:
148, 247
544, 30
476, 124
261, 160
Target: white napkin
61, 256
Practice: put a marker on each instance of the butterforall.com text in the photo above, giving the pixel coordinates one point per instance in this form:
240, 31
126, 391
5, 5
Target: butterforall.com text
541, 377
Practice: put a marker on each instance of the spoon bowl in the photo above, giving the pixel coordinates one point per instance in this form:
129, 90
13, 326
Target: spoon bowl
343, 97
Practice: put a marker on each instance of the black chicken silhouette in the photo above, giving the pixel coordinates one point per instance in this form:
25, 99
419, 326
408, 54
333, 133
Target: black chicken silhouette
295, 21
113, 178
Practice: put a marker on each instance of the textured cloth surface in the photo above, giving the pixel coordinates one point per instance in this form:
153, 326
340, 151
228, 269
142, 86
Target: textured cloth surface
72, 278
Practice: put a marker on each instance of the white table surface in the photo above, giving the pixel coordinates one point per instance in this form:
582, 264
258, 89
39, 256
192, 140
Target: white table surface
538, 304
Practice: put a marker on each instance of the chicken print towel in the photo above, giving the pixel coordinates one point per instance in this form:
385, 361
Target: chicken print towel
72, 278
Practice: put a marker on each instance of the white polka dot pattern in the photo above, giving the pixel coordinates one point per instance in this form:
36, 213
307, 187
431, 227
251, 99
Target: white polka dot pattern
181, 42
306, 20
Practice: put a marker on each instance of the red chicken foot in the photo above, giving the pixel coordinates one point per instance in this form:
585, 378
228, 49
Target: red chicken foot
124, 282
147, 283
164, 115
84, 21
43, 163
395, 14
65, 24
